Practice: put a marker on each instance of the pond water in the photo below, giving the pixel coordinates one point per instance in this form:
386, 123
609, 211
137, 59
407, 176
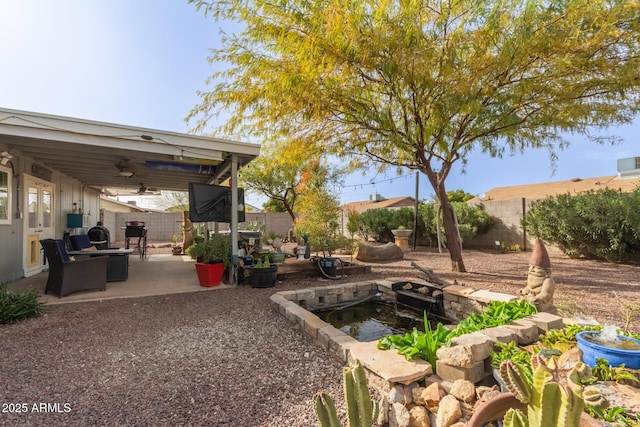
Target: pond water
372, 320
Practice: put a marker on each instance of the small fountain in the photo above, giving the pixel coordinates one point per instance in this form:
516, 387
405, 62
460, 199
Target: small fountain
608, 344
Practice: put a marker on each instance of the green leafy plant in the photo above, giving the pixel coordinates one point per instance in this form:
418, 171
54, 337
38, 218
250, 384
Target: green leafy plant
18, 306
424, 344
602, 371
511, 351
361, 410
211, 250
506, 247
565, 338
497, 313
615, 415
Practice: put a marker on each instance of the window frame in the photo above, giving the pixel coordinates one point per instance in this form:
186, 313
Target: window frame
9, 173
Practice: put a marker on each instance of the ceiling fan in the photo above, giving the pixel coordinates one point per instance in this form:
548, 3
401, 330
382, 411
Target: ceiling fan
125, 169
146, 190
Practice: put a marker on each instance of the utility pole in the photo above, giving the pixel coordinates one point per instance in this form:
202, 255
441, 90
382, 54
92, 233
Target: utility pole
415, 213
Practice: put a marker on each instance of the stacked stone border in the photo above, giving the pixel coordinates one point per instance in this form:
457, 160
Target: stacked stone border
468, 357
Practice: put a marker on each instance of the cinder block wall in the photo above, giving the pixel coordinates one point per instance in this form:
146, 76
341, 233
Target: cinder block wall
162, 226
508, 215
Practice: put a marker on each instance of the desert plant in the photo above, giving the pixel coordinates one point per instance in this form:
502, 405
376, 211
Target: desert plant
263, 262
553, 396
361, 410
18, 306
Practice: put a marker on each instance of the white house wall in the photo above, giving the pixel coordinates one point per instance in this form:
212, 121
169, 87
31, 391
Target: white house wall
67, 190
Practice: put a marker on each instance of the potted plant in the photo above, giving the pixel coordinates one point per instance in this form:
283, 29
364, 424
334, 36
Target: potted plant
263, 274
176, 249
212, 257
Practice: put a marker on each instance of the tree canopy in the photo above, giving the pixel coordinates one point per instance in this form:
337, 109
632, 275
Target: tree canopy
419, 83
284, 178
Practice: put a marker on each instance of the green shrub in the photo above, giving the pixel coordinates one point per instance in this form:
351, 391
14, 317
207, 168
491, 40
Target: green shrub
601, 224
16, 306
376, 224
472, 220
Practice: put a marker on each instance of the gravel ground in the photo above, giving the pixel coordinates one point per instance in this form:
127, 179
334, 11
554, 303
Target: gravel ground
225, 358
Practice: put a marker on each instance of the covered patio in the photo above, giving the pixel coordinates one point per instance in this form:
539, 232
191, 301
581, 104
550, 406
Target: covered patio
159, 274
53, 166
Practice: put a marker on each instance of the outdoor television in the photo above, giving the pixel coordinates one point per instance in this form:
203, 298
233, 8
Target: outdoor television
213, 203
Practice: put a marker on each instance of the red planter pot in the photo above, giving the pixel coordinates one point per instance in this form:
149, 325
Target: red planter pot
210, 274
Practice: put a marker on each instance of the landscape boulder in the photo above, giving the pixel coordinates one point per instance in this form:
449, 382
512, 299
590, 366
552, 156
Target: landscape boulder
372, 253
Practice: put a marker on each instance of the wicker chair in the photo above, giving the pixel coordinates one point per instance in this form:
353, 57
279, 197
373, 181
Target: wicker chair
66, 276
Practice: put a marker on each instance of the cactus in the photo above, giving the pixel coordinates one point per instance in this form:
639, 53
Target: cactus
361, 411
553, 396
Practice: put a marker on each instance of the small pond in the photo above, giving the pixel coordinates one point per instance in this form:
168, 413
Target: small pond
372, 320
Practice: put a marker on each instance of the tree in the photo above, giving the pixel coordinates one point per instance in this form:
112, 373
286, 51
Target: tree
174, 201
420, 84
280, 177
273, 205
459, 196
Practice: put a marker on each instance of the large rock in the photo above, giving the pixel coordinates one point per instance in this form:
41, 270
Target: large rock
449, 411
419, 417
372, 253
399, 415
463, 390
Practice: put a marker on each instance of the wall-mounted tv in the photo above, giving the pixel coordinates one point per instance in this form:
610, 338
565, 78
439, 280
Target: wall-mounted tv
212, 203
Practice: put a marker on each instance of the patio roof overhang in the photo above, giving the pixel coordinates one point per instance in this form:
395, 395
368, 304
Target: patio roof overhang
103, 155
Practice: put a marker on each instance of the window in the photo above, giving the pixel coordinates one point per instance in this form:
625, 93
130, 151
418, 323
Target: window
5, 195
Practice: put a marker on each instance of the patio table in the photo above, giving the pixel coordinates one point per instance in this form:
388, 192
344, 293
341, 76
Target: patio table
118, 264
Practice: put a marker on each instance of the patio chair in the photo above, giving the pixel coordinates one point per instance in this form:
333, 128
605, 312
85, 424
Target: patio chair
66, 276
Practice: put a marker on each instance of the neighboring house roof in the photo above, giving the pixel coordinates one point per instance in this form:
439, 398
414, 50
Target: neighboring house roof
251, 208
392, 203
118, 206
573, 186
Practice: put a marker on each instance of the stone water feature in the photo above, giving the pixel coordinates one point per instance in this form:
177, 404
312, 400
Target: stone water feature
450, 397
461, 367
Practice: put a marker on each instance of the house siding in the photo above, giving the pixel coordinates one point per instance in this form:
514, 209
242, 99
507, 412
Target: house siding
67, 192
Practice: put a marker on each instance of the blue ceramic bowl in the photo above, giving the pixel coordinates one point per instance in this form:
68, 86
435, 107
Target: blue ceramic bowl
592, 351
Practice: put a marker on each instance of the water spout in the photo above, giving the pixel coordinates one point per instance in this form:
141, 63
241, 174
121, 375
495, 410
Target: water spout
609, 334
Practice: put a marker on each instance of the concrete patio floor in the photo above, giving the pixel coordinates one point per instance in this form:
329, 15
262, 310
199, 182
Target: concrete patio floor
159, 274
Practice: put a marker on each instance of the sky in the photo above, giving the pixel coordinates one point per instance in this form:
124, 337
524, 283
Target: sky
142, 62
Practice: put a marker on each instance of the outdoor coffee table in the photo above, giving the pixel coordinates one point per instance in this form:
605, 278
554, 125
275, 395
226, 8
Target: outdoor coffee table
118, 264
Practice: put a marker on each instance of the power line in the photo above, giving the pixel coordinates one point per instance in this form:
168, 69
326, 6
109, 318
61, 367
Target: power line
373, 183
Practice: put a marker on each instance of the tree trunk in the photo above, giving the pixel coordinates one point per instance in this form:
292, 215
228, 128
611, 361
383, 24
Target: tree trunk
450, 230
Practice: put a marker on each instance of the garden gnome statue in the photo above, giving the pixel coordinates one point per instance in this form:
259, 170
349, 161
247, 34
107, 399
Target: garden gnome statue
540, 285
